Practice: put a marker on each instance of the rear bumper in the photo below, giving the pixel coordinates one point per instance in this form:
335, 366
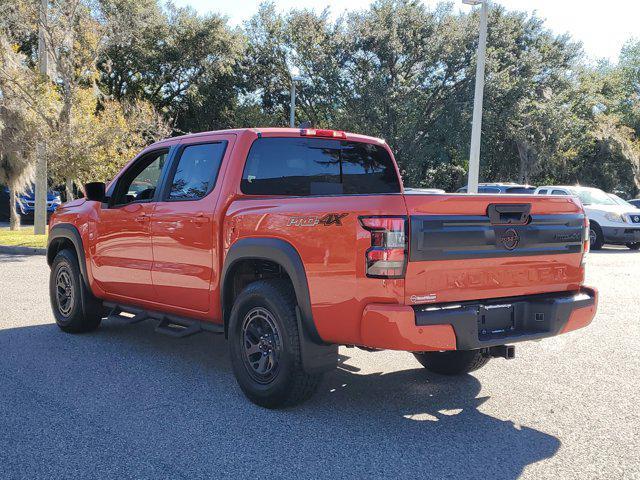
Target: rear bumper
461, 327
621, 234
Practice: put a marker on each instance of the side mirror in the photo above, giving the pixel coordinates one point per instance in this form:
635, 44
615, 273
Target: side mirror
95, 191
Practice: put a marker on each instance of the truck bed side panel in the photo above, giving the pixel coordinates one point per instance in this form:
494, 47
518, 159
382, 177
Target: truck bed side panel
333, 255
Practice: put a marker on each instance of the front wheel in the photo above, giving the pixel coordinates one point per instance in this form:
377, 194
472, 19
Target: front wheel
633, 246
74, 308
596, 238
264, 344
454, 362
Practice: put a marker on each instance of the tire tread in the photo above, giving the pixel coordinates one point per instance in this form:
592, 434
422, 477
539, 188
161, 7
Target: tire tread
301, 385
456, 362
87, 311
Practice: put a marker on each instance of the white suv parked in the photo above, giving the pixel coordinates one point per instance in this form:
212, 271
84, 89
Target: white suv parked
609, 221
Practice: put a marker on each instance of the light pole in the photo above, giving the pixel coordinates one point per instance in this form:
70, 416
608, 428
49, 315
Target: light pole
40, 212
292, 113
476, 126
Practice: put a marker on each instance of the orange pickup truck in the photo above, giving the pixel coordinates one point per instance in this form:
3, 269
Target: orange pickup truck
291, 242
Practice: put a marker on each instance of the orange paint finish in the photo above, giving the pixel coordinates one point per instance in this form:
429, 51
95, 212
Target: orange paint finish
465, 204
582, 317
471, 279
186, 245
159, 256
394, 327
333, 256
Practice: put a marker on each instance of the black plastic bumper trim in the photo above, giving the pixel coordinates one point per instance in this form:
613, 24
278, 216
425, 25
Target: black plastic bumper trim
622, 234
534, 317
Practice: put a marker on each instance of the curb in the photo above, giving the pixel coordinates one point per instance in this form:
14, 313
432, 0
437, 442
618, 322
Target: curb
15, 250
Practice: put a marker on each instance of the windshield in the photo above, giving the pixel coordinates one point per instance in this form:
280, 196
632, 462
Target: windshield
593, 196
620, 201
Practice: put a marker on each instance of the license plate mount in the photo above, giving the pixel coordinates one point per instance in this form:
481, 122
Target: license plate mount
495, 320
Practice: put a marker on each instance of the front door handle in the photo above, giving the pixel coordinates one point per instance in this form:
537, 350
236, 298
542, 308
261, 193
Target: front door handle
142, 218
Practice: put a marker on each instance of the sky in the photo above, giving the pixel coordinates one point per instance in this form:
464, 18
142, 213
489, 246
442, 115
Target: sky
601, 26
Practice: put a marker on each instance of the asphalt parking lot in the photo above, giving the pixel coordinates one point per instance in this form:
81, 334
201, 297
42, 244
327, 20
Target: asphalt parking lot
123, 402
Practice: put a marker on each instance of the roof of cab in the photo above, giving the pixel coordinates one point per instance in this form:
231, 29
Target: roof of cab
269, 131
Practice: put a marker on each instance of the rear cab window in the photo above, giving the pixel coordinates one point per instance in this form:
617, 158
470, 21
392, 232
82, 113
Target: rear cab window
315, 166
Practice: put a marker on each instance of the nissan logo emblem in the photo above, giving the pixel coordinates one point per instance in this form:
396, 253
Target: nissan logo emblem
510, 239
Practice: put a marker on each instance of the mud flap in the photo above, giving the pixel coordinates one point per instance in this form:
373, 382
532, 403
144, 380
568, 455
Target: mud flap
316, 358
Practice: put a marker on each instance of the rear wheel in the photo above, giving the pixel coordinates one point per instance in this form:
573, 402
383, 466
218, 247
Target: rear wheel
454, 362
74, 308
264, 344
596, 238
633, 246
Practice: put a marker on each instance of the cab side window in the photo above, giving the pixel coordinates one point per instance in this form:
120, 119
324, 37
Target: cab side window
139, 182
559, 192
195, 173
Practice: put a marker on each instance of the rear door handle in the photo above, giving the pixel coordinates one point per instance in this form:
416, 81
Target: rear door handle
200, 218
142, 218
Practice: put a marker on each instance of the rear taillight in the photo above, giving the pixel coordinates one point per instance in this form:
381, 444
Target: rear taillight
317, 132
387, 257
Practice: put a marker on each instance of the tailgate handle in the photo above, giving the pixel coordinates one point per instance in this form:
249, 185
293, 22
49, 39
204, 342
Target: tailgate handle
509, 213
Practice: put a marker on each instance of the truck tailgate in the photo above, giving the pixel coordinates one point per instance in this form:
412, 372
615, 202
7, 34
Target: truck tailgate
471, 247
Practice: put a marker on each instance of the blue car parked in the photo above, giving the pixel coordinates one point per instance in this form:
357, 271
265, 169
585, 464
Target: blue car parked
25, 206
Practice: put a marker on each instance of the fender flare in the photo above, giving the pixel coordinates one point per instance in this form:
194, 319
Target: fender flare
285, 255
69, 232
317, 356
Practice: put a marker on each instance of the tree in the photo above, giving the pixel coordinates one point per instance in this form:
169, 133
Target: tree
88, 134
20, 125
409, 68
608, 157
16, 158
629, 74
406, 73
398, 70
102, 135
390, 71
265, 68
182, 63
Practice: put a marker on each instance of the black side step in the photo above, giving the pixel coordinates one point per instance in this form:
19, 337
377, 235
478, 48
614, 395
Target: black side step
177, 330
116, 313
172, 325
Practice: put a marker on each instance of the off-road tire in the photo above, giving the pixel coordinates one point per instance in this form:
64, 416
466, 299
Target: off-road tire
84, 313
456, 362
633, 246
290, 384
596, 238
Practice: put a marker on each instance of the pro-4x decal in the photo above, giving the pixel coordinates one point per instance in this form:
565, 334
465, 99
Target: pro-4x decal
313, 220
